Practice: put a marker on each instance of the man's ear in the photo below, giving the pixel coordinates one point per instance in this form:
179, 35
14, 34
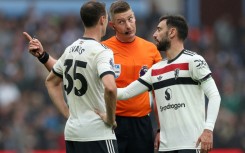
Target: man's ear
172, 32
102, 20
111, 24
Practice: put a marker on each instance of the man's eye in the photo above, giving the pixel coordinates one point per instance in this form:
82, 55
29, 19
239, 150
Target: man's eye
131, 19
120, 22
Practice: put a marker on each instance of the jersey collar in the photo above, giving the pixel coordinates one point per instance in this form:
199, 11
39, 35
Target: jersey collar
87, 38
170, 61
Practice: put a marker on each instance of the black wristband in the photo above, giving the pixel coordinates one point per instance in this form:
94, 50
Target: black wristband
158, 130
44, 58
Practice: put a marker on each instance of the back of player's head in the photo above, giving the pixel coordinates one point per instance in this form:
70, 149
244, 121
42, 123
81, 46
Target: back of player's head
179, 23
91, 12
118, 6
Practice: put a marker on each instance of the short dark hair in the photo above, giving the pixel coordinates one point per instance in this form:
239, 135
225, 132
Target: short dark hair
179, 23
91, 12
118, 6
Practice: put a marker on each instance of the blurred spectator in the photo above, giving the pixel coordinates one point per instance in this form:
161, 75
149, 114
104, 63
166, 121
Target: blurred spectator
225, 31
9, 92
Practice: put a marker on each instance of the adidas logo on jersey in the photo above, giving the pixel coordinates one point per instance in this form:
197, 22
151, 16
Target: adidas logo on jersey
159, 78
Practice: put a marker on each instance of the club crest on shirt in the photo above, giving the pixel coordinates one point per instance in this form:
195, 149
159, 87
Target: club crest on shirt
143, 70
117, 70
176, 73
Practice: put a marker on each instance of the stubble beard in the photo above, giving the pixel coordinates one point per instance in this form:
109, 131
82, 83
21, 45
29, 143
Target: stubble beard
164, 45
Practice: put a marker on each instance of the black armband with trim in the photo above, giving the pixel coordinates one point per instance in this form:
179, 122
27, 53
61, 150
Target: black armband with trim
44, 58
158, 130
205, 78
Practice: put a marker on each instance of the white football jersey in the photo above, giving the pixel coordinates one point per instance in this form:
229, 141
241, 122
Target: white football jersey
180, 99
82, 66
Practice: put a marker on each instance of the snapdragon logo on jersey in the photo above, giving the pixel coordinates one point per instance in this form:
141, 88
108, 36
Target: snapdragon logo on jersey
117, 69
168, 96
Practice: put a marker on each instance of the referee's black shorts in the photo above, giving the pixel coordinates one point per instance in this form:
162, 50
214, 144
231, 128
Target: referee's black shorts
102, 146
134, 134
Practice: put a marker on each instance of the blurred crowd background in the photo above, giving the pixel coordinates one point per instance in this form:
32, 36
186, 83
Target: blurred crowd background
29, 120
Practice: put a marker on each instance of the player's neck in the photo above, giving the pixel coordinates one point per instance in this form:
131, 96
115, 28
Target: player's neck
92, 33
174, 50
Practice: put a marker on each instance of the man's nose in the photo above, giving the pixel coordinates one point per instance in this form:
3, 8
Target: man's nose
154, 35
127, 24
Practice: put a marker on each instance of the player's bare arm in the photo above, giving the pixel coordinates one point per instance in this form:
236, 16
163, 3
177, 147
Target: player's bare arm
110, 98
54, 86
157, 141
157, 137
36, 49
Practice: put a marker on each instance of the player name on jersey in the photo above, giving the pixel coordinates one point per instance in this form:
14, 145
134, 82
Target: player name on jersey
77, 49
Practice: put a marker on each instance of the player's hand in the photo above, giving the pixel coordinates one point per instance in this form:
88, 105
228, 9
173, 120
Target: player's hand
35, 47
157, 141
206, 140
103, 116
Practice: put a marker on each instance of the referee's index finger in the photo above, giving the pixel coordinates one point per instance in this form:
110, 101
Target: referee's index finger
27, 36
